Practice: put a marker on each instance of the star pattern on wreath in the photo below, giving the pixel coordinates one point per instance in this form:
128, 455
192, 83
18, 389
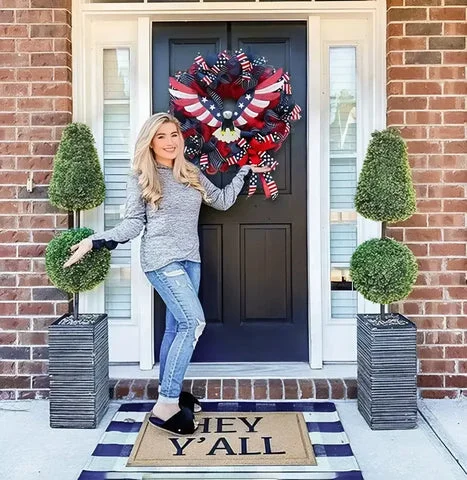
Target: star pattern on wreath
234, 109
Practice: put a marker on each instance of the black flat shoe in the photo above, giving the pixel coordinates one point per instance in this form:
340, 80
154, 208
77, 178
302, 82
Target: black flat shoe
182, 423
188, 400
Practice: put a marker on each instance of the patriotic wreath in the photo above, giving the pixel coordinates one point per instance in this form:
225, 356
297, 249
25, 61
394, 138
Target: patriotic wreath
234, 109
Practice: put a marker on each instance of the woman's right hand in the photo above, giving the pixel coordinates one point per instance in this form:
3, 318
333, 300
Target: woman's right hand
80, 249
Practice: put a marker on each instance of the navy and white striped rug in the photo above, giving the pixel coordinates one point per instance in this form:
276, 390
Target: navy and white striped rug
335, 459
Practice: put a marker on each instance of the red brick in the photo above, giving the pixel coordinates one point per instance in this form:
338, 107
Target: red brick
457, 293
14, 90
27, 221
459, 205
214, 389
406, 73
51, 31
337, 389
50, 60
447, 13
34, 45
13, 31
459, 58
457, 381
423, 117
439, 394
423, 88
446, 103
322, 389
456, 352
457, 322
290, 389
406, 43
8, 338
15, 294
429, 322
430, 381
429, 352
446, 249
35, 75
351, 388
423, 58
424, 146
455, 28
122, 389
437, 366
32, 367
229, 389
7, 368
244, 389
406, 14
138, 389
32, 338
34, 16
276, 389
443, 72
454, 117
36, 308
443, 337
33, 394
15, 382
307, 389
455, 147
446, 220
423, 234
51, 89
423, 28
425, 293
442, 308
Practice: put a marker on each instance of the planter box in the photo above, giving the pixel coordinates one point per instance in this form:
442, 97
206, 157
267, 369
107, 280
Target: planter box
79, 371
387, 371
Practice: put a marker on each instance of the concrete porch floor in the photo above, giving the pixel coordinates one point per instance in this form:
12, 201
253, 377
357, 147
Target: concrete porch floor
437, 448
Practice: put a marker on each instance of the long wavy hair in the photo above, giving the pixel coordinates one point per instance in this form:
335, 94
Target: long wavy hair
144, 162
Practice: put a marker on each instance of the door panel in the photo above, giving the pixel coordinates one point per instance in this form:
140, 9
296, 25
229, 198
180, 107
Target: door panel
254, 276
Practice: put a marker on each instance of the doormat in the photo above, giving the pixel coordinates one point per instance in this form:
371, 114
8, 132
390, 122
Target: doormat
222, 438
331, 449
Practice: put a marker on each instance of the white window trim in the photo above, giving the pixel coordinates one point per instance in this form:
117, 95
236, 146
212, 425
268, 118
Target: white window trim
143, 14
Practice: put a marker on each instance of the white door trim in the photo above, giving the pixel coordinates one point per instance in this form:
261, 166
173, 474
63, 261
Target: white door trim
84, 15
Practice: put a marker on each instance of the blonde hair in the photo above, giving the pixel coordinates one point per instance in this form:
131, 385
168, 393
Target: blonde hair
144, 162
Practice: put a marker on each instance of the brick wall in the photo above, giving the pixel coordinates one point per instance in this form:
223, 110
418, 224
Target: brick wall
426, 61
35, 104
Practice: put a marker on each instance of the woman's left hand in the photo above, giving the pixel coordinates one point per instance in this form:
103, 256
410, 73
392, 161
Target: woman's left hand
256, 169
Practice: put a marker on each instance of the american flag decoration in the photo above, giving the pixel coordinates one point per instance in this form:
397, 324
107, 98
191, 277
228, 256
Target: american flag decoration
234, 109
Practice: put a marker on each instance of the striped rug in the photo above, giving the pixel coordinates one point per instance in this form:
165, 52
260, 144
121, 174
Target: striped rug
335, 459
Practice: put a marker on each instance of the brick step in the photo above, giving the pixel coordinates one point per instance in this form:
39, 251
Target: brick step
243, 389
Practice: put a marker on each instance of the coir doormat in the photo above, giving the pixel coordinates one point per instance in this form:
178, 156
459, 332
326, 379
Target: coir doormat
334, 458
228, 438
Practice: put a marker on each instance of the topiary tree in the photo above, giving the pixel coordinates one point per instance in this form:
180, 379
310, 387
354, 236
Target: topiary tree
77, 184
384, 270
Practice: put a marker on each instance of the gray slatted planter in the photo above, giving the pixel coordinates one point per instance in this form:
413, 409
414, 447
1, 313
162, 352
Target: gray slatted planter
387, 371
79, 371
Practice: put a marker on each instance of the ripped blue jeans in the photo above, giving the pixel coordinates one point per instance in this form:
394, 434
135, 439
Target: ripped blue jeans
178, 285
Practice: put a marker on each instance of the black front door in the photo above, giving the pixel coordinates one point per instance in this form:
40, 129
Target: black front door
254, 257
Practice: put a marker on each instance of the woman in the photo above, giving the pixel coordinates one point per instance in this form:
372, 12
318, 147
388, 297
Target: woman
164, 196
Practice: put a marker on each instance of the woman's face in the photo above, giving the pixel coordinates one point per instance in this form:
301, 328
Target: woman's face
166, 143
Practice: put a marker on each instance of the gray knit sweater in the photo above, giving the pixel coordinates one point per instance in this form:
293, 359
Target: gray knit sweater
171, 232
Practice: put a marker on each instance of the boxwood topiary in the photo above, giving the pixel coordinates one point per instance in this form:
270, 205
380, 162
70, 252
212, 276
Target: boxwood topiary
385, 191
77, 184
77, 181
383, 270
83, 275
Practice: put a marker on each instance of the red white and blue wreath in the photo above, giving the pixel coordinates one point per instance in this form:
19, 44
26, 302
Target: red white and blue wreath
234, 109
